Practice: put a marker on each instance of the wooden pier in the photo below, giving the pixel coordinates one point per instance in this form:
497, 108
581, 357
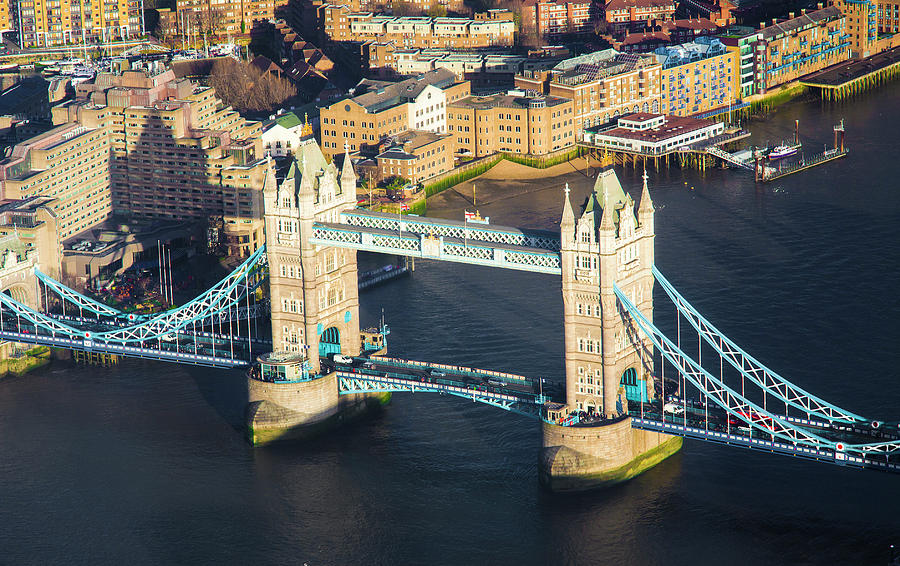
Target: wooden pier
691, 157
853, 77
95, 358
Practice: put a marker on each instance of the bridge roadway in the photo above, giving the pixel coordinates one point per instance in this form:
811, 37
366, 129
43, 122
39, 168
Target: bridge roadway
197, 348
526, 396
713, 424
507, 391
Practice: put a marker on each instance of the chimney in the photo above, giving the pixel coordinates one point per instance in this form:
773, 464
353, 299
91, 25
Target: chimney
762, 25
802, 11
819, 6
790, 15
774, 21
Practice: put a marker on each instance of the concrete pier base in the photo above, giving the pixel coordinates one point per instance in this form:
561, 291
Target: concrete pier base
591, 457
296, 410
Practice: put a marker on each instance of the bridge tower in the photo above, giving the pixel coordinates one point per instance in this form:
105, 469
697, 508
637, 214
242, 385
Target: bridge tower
607, 361
314, 300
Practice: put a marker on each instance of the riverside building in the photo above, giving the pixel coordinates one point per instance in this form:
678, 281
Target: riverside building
787, 50
379, 109
45, 23
535, 125
698, 77
601, 85
494, 27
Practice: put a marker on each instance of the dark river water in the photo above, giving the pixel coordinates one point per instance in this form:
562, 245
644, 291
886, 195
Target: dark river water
145, 463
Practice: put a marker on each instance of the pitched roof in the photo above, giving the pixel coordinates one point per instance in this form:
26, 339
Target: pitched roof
806, 20
288, 120
607, 192
378, 95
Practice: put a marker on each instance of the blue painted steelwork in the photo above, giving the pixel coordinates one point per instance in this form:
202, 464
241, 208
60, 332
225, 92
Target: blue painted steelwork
738, 406
221, 296
330, 341
76, 298
751, 368
443, 248
436, 227
370, 382
771, 446
165, 355
635, 389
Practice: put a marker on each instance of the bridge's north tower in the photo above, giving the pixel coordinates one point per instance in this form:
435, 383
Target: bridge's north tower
314, 290
606, 360
314, 303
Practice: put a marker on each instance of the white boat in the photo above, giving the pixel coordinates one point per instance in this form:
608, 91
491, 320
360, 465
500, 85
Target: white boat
782, 151
476, 218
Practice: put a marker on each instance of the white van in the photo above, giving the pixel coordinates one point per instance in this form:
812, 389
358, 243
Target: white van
673, 409
342, 359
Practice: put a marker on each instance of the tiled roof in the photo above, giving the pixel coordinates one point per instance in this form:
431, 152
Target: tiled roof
379, 95
809, 19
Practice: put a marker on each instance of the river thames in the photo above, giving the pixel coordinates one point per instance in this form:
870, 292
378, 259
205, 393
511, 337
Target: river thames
146, 463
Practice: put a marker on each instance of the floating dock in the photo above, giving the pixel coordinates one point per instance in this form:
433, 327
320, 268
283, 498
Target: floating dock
765, 173
770, 173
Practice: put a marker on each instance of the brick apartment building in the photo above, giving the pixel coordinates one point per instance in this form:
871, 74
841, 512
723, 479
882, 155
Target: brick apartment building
141, 143
494, 27
535, 124
601, 85
379, 109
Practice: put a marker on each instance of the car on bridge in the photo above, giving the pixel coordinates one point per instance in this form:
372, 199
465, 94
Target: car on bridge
437, 373
342, 359
673, 409
496, 382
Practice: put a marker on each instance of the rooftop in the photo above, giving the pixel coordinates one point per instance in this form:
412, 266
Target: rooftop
672, 127
506, 101
805, 20
375, 96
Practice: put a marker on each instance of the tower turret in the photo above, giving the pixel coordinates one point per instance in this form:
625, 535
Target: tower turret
348, 177
645, 208
567, 223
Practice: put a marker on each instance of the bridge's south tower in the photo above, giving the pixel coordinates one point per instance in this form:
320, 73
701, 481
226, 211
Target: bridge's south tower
607, 362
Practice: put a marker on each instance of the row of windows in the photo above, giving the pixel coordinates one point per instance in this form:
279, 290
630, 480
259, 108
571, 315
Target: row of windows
587, 309
292, 305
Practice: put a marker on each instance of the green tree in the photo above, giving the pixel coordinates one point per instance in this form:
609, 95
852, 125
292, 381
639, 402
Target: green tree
437, 10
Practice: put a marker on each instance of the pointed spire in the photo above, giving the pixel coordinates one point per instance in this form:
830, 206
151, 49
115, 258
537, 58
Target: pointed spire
646, 203
347, 171
568, 216
607, 222
306, 175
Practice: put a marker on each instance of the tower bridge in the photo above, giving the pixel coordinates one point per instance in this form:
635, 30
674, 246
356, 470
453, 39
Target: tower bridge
631, 392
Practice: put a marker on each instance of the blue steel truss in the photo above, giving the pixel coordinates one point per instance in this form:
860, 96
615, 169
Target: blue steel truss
221, 297
75, 298
749, 367
529, 406
736, 404
435, 227
444, 248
